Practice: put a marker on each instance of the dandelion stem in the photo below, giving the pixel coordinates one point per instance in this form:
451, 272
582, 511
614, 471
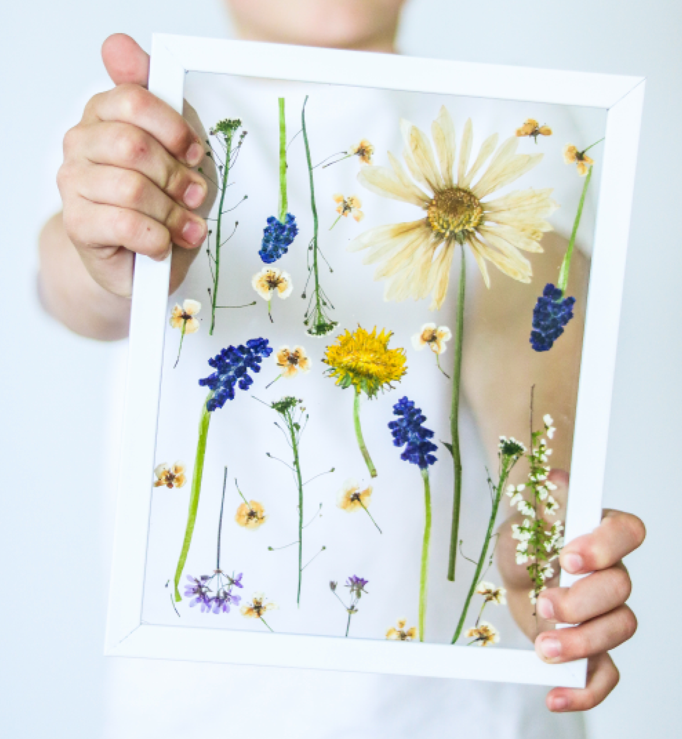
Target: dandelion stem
358, 434
283, 200
566, 264
425, 553
267, 624
335, 222
348, 624
370, 515
223, 192
195, 492
507, 464
241, 495
182, 336
454, 420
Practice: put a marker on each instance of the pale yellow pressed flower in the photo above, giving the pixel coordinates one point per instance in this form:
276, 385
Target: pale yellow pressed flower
349, 206
257, 607
184, 316
433, 337
350, 498
483, 635
533, 129
172, 476
415, 257
582, 161
491, 594
250, 516
363, 150
402, 634
272, 281
293, 361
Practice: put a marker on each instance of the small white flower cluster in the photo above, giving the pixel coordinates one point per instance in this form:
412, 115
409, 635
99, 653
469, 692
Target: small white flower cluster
538, 543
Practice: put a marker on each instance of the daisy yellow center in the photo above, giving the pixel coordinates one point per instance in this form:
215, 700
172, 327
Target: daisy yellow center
454, 212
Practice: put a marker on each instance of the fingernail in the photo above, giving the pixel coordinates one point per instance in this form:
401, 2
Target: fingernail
572, 563
193, 232
559, 703
194, 195
550, 648
545, 608
195, 154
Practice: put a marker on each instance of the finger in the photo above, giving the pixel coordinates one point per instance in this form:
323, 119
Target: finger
592, 637
602, 678
616, 536
134, 105
101, 230
129, 147
588, 598
132, 190
125, 60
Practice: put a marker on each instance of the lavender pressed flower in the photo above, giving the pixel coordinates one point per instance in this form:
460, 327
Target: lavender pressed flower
198, 590
408, 431
356, 585
551, 314
232, 365
277, 238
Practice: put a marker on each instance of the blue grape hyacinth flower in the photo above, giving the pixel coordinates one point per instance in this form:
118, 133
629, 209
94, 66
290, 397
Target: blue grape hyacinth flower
551, 314
232, 367
277, 237
408, 431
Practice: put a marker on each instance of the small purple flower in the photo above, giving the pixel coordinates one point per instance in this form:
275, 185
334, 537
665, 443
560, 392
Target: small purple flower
223, 599
356, 585
550, 316
199, 590
237, 581
408, 431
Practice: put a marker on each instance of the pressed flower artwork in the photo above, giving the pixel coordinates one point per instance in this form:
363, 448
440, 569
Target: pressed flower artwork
416, 265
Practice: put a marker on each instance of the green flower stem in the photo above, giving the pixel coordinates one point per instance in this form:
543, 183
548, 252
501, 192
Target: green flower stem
267, 624
313, 207
425, 553
182, 336
358, 433
195, 492
566, 264
223, 193
283, 201
440, 368
504, 474
366, 510
293, 435
335, 222
454, 420
348, 624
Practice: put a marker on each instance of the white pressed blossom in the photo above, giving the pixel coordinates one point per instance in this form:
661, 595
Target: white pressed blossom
483, 635
435, 337
515, 500
415, 257
526, 508
551, 506
491, 593
272, 281
521, 558
521, 532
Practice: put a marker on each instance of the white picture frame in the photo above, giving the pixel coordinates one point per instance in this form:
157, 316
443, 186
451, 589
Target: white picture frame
622, 98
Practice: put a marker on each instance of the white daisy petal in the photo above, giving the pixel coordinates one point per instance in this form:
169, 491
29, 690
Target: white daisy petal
383, 181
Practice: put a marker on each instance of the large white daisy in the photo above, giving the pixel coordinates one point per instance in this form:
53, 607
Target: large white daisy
415, 258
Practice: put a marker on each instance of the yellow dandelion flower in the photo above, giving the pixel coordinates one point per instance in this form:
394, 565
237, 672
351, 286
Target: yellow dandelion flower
364, 150
402, 634
172, 476
363, 359
533, 129
573, 156
251, 515
292, 361
491, 594
483, 635
183, 317
415, 257
348, 206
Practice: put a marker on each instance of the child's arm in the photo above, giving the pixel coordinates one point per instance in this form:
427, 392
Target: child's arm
127, 187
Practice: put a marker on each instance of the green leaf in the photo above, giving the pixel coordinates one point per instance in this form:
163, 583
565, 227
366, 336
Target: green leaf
448, 446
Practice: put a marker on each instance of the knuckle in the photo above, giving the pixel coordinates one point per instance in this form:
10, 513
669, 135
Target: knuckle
132, 189
134, 101
71, 141
72, 223
132, 147
128, 227
64, 177
579, 645
175, 180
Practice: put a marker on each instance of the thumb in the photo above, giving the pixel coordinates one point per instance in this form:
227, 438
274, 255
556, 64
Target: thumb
125, 60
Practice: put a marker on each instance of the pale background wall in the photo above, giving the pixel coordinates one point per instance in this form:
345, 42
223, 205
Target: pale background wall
53, 458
